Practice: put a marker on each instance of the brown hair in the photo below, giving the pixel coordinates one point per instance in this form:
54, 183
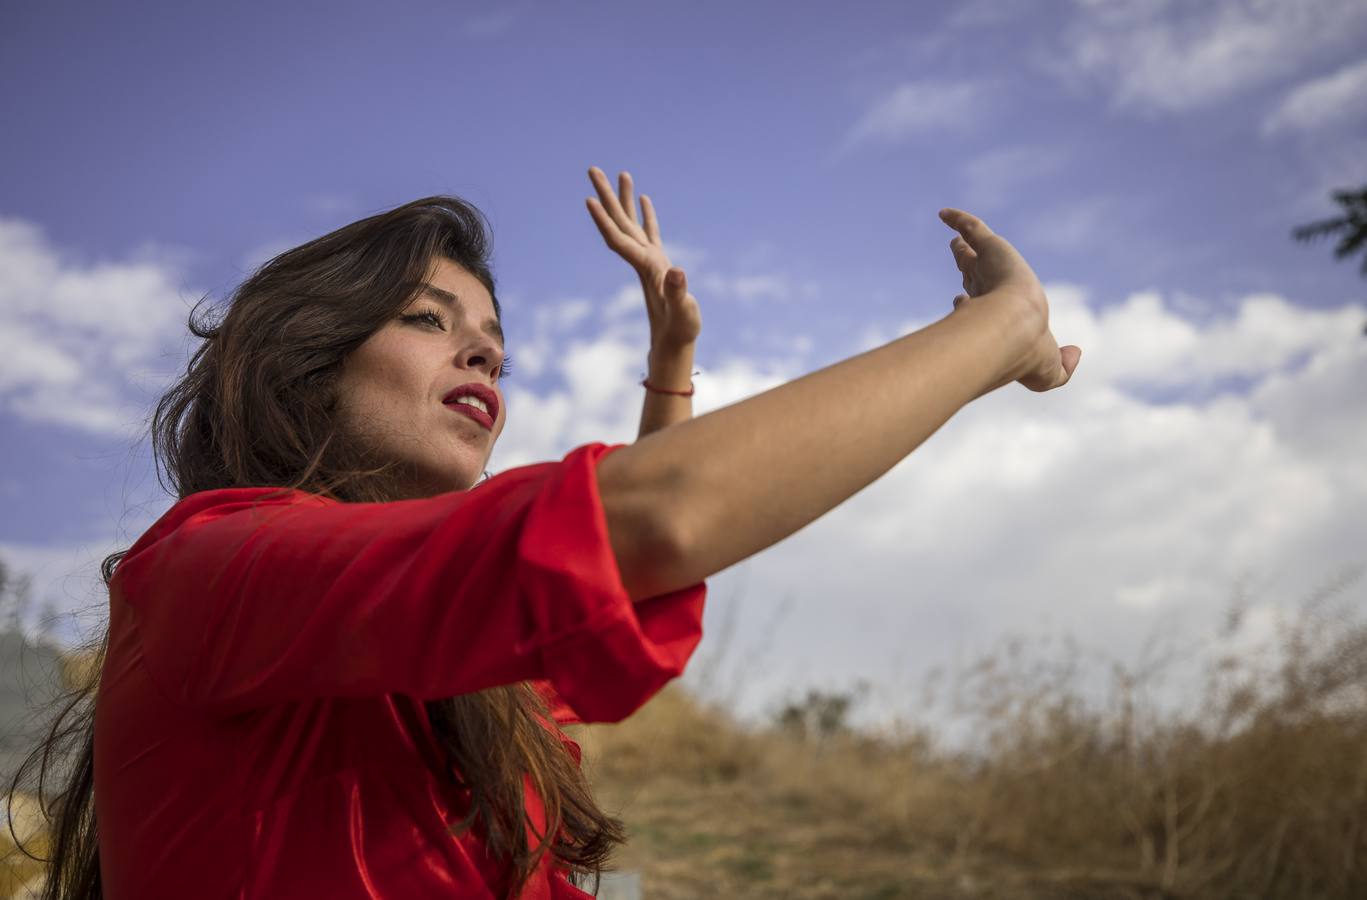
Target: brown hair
256, 408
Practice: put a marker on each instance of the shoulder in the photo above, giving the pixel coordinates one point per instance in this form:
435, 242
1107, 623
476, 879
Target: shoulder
225, 501
204, 506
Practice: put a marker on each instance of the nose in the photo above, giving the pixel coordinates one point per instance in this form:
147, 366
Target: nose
483, 355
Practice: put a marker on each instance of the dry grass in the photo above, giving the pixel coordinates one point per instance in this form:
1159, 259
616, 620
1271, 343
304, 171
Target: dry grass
1254, 787
19, 872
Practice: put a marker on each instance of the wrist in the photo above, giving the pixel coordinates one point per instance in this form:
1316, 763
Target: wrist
1005, 331
671, 355
672, 371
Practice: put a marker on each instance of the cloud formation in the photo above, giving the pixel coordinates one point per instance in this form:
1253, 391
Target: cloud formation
1336, 100
1161, 57
83, 343
914, 109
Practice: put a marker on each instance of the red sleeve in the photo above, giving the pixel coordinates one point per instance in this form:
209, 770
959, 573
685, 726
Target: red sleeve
242, 599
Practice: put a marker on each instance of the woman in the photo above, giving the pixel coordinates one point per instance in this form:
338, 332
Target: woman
337, 666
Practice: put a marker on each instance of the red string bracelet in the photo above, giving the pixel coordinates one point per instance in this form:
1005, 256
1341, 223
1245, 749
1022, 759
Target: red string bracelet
645, 382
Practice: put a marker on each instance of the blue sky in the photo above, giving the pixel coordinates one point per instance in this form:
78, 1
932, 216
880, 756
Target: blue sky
1148, 158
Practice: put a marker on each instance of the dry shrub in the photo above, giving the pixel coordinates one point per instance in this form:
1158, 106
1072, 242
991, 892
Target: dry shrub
1075, 782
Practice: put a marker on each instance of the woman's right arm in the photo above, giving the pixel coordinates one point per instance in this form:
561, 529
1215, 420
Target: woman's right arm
245, 597
725, 485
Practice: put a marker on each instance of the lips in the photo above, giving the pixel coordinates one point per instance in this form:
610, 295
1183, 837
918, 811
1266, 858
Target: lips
479, 391
478, 415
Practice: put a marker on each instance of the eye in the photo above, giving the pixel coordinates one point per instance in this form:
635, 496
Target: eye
431, 316
507, 368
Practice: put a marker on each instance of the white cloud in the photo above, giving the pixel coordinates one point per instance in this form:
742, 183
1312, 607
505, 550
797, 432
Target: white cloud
772, 286
1073, 225
82, 341
1335, 100
1140, 342
1163, 57
917, 108
627, 300
685, 256
994, 179
30, 359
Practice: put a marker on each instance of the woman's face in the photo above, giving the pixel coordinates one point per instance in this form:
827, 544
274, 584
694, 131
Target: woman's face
391, 388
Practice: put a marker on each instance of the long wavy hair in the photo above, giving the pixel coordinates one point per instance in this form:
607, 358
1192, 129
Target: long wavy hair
256, 407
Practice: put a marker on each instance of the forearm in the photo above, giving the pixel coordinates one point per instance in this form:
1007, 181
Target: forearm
672, 370
721, 487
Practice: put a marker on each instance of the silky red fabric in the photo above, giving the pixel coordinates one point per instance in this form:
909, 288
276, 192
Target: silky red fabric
259, 729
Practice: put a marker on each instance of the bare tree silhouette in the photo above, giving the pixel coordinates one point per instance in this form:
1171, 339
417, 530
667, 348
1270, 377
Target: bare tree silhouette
1353, 224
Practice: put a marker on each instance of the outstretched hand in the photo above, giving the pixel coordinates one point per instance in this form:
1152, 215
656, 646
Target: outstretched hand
675, 319
994, 273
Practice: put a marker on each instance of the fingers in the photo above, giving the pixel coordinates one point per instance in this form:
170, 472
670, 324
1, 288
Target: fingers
614, 212
624, 188
608, 228
965, 258
652, 224
964, 255
970, 226
611, 203
630, 249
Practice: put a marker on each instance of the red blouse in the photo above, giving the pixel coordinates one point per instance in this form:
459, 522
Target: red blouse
259, 730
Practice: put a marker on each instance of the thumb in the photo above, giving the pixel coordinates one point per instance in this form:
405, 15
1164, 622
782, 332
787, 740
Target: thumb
1070, 356
676, 285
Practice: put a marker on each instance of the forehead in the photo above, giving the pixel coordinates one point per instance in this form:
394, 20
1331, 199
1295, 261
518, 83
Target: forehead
463, 294
449, 276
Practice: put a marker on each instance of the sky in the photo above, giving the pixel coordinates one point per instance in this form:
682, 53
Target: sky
1149, 159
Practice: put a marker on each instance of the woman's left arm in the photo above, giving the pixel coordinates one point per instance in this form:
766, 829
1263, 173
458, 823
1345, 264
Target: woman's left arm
674, 324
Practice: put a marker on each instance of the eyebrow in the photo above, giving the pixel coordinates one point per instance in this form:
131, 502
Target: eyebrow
490, 326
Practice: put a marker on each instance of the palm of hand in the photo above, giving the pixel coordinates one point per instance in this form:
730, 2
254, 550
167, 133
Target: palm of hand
674, 322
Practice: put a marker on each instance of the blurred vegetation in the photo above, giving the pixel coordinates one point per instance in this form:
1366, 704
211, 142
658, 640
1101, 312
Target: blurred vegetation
1252, 785
32, 670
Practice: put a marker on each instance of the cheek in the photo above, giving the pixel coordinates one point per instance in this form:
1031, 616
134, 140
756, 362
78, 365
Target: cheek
371, 391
